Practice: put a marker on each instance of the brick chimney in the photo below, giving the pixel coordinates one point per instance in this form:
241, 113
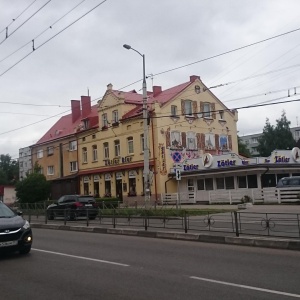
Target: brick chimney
109, 87
156, 90
85, 106
194, 77
75, 107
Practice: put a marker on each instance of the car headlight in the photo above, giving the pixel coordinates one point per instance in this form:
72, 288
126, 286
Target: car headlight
26, 225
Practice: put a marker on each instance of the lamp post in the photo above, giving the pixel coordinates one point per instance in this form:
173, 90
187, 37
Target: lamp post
146, 135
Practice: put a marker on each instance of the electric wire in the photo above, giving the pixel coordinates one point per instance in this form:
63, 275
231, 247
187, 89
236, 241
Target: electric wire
41, 33
15, 19
53, 37
25, 22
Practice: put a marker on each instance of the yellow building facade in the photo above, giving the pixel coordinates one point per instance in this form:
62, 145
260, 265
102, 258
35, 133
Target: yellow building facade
185, 121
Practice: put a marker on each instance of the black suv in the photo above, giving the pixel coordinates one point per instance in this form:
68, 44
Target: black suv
15, 232
73, 206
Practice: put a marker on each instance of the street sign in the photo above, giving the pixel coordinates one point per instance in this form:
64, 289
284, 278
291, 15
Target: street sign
178, 174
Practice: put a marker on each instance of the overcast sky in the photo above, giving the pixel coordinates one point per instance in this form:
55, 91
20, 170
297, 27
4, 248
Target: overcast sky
171, 33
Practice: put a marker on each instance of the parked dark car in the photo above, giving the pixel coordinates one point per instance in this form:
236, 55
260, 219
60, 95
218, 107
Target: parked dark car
72, 207
15, 232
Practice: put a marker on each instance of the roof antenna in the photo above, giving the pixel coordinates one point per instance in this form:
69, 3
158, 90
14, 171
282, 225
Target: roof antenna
88, 91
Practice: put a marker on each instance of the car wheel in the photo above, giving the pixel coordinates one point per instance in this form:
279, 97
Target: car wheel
25, 250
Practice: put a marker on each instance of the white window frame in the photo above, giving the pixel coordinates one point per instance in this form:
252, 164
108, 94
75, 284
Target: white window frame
73, 166
206, 110
130, 145
40, 153
84, 155
95, 153
50, 150
106, 150
104, 120
72, 146
50, 170
117, 148
191, 141
115, 116
188, 107
174, 136
174, 111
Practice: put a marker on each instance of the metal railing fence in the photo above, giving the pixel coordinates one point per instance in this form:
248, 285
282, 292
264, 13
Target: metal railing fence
235, 222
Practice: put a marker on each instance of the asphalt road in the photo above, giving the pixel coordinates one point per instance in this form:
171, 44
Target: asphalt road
78, 265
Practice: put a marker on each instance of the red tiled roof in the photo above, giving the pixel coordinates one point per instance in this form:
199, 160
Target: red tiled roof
65, 127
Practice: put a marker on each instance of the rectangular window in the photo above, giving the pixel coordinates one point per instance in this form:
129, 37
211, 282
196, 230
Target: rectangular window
95, 153
73, 166
117, 148
175, 139
191, 141
173, 111
50, 170
229, 183
142, 143
50, 150
84, 155
221, 113
206, 110
39, 153
130, 145
252, 181
190, 183
86, 124
209, 184
104, 120
188, 107
72, 146
106, 150
242, 182
200, 184
132, 187
220, 183
115, 116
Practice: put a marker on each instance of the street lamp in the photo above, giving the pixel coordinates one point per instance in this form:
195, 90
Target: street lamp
146, 136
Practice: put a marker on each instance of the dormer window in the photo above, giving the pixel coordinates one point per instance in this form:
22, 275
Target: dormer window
86, 124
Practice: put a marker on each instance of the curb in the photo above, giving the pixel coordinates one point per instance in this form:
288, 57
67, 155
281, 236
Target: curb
262, 242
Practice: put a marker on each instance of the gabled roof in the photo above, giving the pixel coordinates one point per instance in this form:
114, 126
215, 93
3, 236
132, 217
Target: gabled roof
65, 126
167, 95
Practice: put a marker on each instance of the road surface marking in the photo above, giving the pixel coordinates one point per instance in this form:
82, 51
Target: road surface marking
82, 257
246, 287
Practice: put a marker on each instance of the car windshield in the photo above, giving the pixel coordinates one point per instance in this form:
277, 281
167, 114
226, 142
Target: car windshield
6, 212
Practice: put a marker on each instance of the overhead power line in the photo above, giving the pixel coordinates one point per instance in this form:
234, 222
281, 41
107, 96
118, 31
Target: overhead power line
8, 35
53, 37
15, 19
42, 32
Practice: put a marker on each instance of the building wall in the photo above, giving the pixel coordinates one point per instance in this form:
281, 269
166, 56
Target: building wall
57, 154
25, 164
97, 173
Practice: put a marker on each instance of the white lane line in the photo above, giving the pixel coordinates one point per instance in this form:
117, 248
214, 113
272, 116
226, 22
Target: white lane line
82, 257
246, 287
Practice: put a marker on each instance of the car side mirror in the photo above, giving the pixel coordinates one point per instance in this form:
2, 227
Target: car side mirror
19, 213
